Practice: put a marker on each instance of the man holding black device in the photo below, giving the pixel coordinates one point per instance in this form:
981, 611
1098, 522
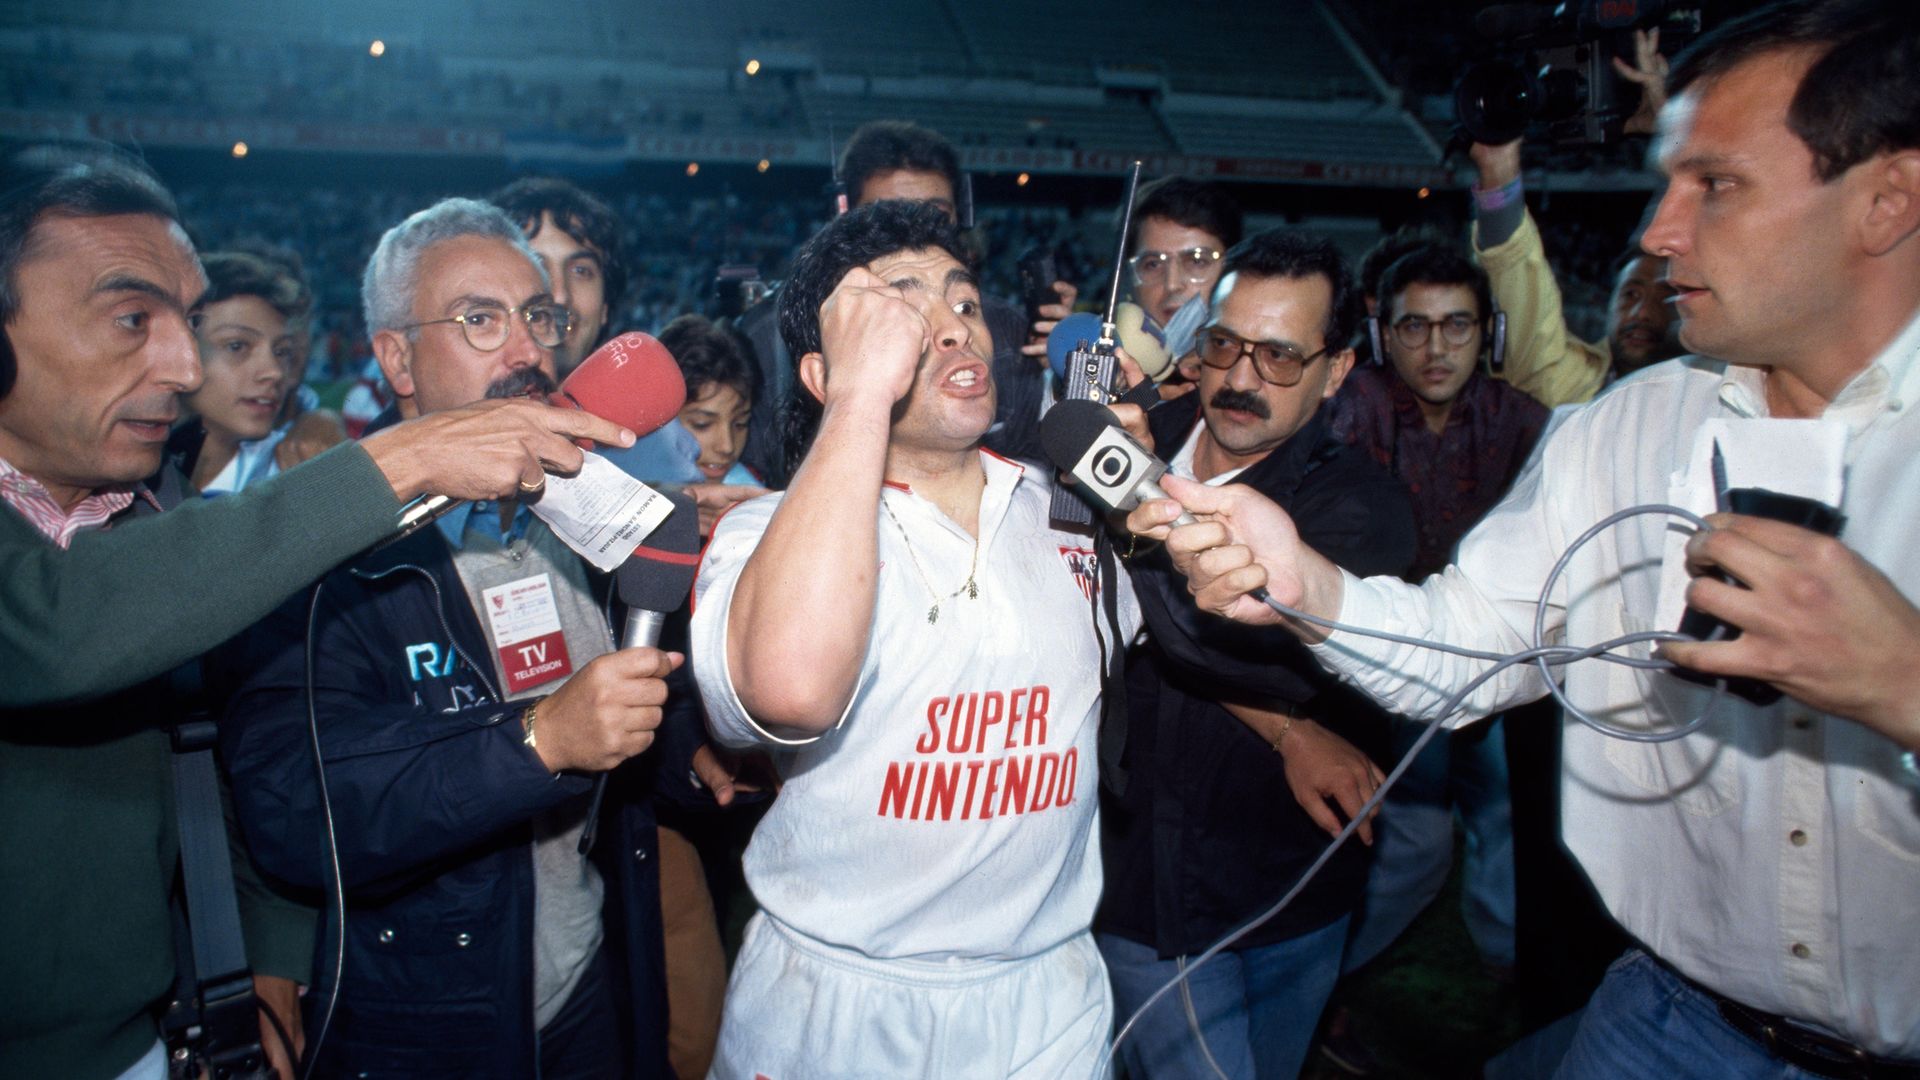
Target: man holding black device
1766, 862
897, 160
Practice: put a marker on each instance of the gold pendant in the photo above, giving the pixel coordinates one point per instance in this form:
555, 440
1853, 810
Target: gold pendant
973, 591
933, 614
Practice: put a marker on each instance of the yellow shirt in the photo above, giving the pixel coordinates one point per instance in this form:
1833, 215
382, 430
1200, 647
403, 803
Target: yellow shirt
1542, 359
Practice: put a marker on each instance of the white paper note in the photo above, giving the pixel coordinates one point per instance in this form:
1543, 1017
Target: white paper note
601, 513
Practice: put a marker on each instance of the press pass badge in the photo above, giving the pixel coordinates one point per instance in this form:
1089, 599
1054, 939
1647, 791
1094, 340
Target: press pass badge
525, 623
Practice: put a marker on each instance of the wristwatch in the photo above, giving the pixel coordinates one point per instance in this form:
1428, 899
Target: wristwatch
526, 724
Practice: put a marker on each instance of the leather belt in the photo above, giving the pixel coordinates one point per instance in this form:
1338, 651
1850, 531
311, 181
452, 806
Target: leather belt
1802, 1047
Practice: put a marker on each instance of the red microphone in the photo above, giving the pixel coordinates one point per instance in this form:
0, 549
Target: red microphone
631, 380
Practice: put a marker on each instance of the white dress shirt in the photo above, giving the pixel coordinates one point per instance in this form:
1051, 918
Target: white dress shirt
1773, 856
1182, 463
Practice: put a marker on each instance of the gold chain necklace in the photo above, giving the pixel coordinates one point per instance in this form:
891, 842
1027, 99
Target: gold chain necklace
967, 586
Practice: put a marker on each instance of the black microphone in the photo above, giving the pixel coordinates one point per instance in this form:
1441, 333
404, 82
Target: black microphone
656, 578
653, 583
1109, 467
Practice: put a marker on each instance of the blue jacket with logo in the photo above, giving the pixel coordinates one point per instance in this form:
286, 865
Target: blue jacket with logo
432, 795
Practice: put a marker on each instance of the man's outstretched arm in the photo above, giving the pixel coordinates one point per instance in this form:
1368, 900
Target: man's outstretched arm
124, 604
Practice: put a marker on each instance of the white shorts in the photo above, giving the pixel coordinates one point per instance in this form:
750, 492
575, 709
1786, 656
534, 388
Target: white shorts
799, 1009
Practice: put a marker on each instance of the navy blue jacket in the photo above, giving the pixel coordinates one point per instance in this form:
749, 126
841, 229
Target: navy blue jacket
432, 794
1207, 833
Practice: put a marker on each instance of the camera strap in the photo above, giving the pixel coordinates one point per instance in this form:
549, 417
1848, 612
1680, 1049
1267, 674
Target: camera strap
1112, 743
213, 1014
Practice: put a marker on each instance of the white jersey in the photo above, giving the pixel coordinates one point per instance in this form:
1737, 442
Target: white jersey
951, 813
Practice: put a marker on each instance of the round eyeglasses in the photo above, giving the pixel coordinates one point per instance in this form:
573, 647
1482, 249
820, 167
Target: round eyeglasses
1191, 265
1413, 331
1281, 365
486, 325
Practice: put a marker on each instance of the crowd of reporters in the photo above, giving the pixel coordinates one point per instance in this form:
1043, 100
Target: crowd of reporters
440, 922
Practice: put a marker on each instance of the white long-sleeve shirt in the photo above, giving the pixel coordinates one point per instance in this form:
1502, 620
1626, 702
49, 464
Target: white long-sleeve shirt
1773, 856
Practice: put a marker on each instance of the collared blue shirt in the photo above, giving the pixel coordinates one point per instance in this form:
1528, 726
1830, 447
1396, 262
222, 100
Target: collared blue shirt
484, 518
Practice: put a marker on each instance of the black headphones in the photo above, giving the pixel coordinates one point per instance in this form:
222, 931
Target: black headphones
1496, 357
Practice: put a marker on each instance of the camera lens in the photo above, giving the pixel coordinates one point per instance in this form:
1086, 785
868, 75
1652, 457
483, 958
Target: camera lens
1563, 93
1494, 102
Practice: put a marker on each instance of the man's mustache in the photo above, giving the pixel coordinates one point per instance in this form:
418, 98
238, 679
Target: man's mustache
1240, 401
526, 382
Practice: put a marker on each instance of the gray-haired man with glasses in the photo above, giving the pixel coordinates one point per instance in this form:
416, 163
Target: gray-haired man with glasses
487, 324
462, 685
442, 295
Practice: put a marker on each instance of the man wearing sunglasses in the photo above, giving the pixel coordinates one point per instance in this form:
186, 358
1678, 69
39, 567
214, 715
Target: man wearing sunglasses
462, 687
1235, 773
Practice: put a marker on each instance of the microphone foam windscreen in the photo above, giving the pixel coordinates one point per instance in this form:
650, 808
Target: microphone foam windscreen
659, 574
631, 380
1183, 330
1070, 428
1066, 336
1143, 339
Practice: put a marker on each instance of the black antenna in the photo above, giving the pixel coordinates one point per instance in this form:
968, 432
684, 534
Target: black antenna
838, 187
1119, 258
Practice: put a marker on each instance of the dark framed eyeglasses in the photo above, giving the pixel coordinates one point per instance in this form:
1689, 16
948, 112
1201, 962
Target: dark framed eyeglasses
1281, 365
486, 325
1192, 265
1413, 331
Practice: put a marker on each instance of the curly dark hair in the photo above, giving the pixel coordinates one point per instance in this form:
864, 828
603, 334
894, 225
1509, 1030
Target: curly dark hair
855, 238
578, 214
709, 354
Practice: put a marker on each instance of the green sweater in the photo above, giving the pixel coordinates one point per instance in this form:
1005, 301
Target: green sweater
88, 849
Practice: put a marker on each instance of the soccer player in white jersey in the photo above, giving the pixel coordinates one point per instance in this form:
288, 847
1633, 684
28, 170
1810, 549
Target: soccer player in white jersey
923, 652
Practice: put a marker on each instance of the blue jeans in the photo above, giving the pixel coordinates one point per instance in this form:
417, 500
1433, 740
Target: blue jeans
1645, 1022
1413, 844
1255, 1008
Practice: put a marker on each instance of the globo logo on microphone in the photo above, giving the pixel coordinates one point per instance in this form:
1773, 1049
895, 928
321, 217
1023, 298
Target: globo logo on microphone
1110, 469
1111, 466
